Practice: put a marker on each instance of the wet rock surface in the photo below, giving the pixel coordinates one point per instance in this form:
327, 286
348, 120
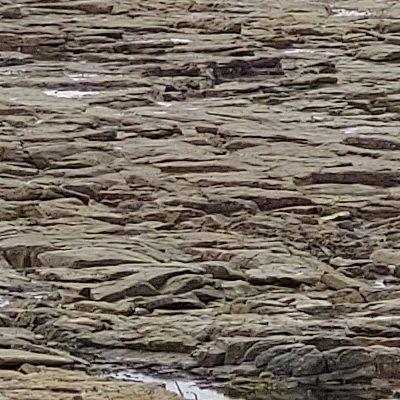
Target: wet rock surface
206, 186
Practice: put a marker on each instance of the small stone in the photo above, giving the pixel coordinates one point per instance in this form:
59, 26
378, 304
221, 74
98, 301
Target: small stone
12, 13
141, 311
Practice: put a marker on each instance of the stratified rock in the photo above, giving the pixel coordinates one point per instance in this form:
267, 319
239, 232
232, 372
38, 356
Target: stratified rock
267, 356
385, 52
286, 274
38, 383
204, 185
123, 288
345, 296
185, 283
339, 281
343, 358
89, 257
210, 356
171, 302
15, 358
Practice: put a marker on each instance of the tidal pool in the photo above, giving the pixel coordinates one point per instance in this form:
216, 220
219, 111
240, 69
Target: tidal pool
188, 389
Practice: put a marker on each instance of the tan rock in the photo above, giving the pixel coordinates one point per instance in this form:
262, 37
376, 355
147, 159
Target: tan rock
339, 281
347, 295
200, 177
59, 384
15, 358
386, 257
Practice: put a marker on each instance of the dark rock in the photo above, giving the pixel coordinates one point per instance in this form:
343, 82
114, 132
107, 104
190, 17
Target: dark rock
123, 288
310, 363
342, 358
168, 302
210, 356
185, 283
267, 356
207, 294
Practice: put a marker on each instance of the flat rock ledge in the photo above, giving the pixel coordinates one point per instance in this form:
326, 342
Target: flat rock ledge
41, 383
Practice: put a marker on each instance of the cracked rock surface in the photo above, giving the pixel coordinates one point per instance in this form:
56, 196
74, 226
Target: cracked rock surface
207, 186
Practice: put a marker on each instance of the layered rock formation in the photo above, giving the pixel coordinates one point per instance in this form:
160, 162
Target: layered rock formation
38, 383
211, 186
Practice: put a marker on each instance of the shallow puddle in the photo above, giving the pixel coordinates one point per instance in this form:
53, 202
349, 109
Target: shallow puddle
180, 41
3, 302
164, 104
351, 130
78, 77
383, 282
296, 51
306, 52
68, 94
168, 40
379, 284
343, 12
188, 389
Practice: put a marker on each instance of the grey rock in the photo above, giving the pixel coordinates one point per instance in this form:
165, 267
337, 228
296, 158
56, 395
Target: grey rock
123, 288
311, 363
267, 356
342, 358
210, 356
185, 283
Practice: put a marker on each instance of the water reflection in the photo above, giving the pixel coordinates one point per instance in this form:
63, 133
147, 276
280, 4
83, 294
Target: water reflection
69, 94
187, 389
191, 390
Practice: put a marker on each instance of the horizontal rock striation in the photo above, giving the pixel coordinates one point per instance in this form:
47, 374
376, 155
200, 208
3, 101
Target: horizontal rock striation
210, 186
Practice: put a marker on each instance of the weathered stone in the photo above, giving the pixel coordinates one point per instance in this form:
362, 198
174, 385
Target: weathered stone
387, 362
235, 348
386, 257
289, 275
196, 184
345, 296
210, 356
339, 281
379, 53
169, 302
315, 307
207, 294
123, 288
185, 283
299, 361
38, 383
323, 343
311, 363
267, 356
343, 358
15, 358
221, 271
89, 257
265, 344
